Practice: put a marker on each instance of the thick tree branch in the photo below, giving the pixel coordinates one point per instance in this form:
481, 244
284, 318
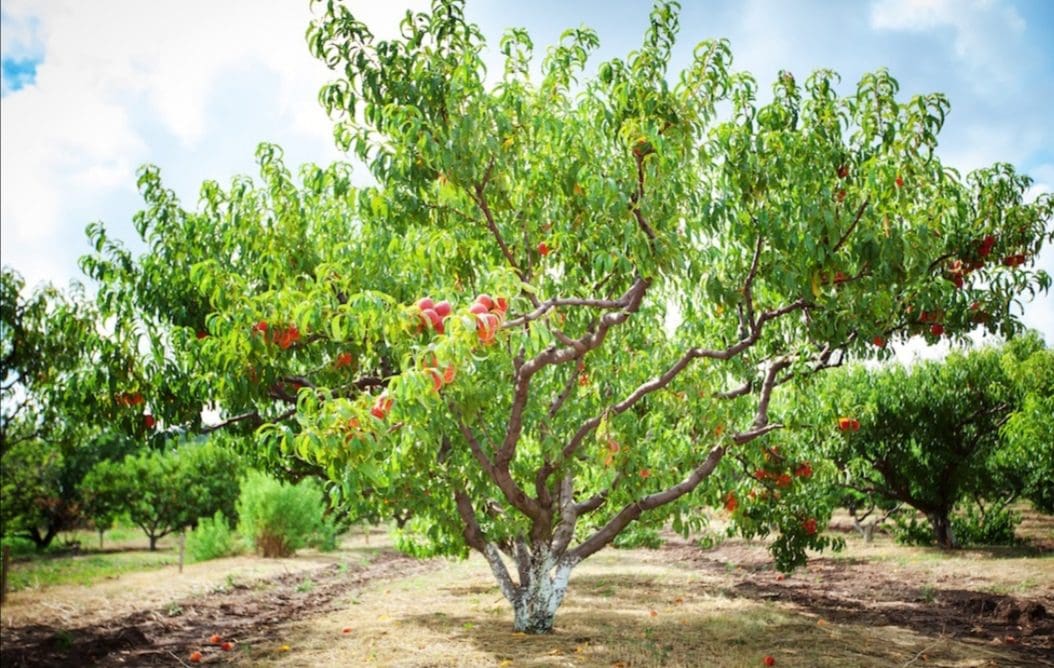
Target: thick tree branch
499, 474
635, 200
472, 532
252, 416
554, 355
672, 372
607, 533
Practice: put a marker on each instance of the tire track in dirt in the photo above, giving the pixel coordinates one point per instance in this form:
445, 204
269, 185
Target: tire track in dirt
246, 614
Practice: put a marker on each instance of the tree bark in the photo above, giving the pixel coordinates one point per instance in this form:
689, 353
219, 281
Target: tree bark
538, 595
153, 542
942, 530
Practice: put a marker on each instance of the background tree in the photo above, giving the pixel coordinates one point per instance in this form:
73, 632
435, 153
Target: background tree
168, 491
69, 398
934, 435
647, 272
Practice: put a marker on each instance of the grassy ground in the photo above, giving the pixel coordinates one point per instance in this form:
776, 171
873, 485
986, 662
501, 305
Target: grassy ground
75, 590
76, 558
685, 607
624, 608
876, 604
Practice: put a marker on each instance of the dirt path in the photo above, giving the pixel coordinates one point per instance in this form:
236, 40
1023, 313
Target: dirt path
245, 614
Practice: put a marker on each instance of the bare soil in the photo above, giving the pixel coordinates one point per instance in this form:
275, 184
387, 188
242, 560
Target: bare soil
862, 592
243, 613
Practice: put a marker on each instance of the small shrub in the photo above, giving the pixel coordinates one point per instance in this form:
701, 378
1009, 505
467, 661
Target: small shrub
422, 540
909, 530
278, 518
972, 527
211, 539
327, 536
638, 535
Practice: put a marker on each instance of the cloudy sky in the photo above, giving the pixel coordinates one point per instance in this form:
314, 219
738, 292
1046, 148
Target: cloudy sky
91, 90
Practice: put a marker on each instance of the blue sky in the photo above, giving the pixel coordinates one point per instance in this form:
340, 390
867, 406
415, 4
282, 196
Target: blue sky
92, 90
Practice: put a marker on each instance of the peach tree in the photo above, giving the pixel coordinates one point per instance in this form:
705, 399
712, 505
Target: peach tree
567, 298
941, 436
65, 404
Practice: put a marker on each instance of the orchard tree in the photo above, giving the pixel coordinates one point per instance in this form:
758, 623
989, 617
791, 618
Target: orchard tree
936, 435
69, 399
569, 297
167, 491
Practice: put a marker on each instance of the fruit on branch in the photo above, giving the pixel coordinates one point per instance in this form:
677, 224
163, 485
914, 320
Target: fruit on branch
879, 341
442, 308
425, 303
149, 421
543, 249
1014, 260
803, 470
486, 301
486, 326
342, 360
381, 406
843, 171
730, 502
900, 181
936, 329
984, 249
286, 336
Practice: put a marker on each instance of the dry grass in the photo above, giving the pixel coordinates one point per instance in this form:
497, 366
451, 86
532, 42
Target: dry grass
624, 608
68, 606
1004, 570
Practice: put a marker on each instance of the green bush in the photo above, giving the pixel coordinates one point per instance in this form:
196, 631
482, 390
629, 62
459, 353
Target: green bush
909, 530
278, 518
212, 539
996, 527
327, 535
638, 535
969, 525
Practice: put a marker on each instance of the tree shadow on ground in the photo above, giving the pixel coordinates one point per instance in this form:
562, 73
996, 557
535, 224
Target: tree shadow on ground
723, 638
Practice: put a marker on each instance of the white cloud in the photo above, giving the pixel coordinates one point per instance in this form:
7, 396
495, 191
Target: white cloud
126, 82
982, 30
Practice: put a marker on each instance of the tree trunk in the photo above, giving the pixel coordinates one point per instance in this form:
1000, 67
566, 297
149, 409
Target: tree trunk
42, 542
942, 530
541, 590
153, 542
101, 532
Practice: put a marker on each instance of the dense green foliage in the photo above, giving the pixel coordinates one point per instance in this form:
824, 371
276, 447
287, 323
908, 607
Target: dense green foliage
938, 435
65, 404
168, 491
212, 538
279, 518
